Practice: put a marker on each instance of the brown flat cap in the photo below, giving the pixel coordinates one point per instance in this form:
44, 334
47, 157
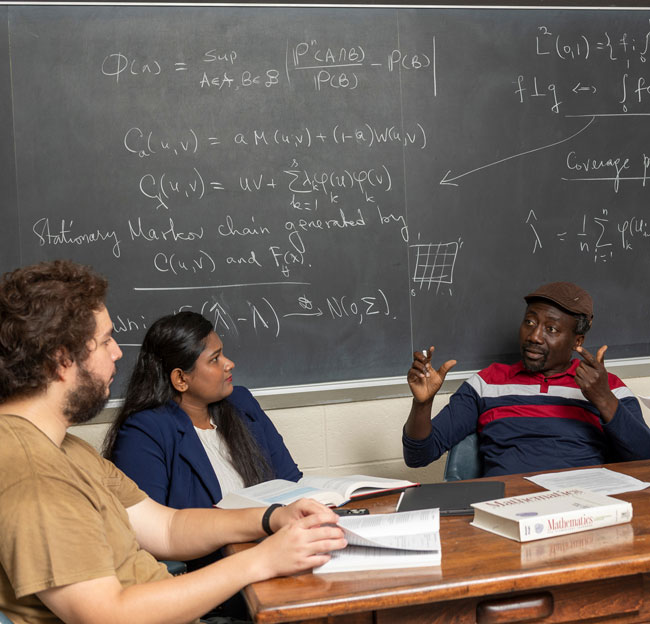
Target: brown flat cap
568, 296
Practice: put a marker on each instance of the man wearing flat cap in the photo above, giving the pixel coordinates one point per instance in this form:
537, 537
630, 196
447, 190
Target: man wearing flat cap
547, 411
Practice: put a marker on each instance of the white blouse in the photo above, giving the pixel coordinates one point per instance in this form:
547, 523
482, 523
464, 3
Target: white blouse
219, 456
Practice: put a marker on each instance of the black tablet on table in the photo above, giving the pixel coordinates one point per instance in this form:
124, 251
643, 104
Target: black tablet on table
451, 497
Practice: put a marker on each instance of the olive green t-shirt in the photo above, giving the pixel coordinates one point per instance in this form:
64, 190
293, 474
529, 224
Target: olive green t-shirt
62, 520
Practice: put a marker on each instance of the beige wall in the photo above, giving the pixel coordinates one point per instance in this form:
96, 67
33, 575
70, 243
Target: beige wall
363, 437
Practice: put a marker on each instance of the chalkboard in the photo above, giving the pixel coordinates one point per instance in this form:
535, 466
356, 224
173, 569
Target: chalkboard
334, 187
9, 254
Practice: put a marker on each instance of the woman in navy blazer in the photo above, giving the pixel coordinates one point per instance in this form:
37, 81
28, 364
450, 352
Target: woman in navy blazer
181, 380
159, 449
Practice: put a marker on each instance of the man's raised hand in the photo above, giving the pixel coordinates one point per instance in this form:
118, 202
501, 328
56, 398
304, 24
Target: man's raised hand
423, 379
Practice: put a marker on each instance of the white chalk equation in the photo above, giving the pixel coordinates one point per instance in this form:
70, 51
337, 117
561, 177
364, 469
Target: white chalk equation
601, 237
323, 66
336, 67
169, 189
434, 265
148, 143
606, 45
624, 50
245, 310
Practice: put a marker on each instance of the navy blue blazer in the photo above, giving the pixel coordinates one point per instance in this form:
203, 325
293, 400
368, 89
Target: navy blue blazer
160, 450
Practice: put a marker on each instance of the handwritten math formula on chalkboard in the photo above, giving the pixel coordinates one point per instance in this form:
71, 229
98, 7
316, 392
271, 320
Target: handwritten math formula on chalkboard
335, 188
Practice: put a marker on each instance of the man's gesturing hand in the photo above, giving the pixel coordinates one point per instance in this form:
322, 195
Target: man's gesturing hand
591, 377
423, 379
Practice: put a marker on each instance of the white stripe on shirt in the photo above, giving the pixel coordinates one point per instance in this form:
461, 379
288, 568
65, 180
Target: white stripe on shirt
486, 390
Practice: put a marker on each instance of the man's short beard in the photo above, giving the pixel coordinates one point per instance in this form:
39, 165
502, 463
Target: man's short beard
86, 400
536, 366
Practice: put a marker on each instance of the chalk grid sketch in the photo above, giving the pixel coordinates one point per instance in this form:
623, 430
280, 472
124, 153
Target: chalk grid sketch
434, 264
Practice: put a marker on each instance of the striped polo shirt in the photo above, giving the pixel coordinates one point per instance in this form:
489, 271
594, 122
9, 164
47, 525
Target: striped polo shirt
527, 421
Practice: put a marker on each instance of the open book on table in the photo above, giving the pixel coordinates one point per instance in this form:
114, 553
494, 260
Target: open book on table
333, 491
387, 541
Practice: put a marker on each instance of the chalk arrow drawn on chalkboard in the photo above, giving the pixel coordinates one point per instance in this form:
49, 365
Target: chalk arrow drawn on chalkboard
451, 181
580, 87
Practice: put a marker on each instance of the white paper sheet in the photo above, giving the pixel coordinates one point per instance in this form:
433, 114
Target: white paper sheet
595, 479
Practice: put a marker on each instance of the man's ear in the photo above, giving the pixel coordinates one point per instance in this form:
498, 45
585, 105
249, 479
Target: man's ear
63, 363
579, 340
177, 377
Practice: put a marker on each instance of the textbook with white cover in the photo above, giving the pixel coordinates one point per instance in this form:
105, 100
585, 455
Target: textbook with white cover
554, 512
387, 541
333, 491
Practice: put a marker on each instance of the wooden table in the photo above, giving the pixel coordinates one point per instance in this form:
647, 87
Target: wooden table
602, 575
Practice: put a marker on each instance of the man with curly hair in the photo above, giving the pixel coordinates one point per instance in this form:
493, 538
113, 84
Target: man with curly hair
76, 532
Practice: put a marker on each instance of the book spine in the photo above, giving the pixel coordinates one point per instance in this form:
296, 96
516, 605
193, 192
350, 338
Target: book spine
574, 521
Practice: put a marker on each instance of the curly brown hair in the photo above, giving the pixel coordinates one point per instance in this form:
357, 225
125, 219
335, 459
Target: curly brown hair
46, 314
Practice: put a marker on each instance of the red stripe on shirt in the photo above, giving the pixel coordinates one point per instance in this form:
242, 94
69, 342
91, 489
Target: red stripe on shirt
539, 411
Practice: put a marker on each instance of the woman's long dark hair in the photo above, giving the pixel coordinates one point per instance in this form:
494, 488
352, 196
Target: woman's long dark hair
176, 341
